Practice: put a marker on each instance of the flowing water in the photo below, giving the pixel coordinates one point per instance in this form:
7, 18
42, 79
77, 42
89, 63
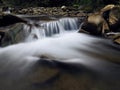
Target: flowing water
55, 57
53, 27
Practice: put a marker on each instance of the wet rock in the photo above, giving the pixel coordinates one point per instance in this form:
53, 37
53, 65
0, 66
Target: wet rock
9, 19
111, 14
104, 21
114, 19
114, 36
117, 40
43, 75
12, 34
8, 32
95, 24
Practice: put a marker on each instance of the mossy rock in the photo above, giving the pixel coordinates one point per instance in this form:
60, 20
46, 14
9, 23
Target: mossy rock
13, 34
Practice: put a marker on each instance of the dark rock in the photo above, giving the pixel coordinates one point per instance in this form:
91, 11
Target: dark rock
104, 21
95, 24
12, 34
9, 19
8, 32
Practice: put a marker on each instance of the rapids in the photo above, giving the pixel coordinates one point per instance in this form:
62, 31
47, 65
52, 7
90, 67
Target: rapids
66, 51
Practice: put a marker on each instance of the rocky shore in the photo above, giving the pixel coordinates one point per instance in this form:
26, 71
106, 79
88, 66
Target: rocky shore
50, 11
104, 22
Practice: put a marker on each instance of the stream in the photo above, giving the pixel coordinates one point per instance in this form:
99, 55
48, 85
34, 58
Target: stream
54, 56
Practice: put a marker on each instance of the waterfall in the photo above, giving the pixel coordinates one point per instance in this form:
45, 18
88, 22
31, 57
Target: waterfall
92, 52
69, 23
59, 56
52, 28
35, 33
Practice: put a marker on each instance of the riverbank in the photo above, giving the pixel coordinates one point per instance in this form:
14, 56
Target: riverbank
49, 11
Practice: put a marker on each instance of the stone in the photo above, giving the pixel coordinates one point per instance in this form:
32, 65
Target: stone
104, 21
117, 40
107, 7
64, 8
12, 34
9, 19
95, 24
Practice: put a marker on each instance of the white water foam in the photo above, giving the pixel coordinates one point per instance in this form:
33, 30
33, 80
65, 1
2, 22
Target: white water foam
71, 47
52, 28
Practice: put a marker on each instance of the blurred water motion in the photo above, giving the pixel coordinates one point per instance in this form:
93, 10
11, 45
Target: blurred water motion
67, 61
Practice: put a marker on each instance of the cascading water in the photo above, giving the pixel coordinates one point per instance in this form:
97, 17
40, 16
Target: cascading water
92, 56
35, 33
60, 26
54, 27
51, 28
70, 23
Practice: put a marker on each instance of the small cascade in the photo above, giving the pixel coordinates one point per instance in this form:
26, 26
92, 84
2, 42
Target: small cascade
45, 63
50, 28
69, 23
62, 25
53, 27
34, 33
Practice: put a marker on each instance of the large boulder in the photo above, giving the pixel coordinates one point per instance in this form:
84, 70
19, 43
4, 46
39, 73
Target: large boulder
95, 24
9, 19
11, 29
106, 20
114, 19
12, 34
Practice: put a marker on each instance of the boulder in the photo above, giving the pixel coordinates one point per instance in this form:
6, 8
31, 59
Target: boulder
8, 29
104, 21
95, 24
12, 34
9, 19
114, 19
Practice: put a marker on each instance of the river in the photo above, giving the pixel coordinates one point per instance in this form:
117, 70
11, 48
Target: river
54, 56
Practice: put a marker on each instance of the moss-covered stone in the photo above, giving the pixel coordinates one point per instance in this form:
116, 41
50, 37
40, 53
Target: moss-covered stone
12, 34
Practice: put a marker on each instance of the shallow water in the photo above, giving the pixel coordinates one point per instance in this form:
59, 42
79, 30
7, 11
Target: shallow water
67, 61
72, 54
